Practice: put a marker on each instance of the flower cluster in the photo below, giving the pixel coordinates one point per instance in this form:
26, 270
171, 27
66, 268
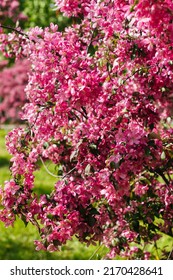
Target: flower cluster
100, 108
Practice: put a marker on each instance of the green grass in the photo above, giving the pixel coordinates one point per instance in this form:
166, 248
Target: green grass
17, 244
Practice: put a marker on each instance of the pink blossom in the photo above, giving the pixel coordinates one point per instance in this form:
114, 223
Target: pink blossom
100, 109
140, 189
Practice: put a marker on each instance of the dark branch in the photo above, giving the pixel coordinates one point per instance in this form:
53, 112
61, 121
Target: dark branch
14, 29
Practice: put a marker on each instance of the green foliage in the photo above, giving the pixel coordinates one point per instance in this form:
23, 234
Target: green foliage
41, 13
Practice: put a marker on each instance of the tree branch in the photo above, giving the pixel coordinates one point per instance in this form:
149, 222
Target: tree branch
15, 30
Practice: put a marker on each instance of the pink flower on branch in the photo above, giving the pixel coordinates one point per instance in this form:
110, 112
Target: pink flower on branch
98, 109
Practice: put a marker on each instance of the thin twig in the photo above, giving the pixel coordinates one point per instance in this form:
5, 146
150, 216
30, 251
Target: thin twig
84, 115
170, 252
131, 75
157, 253
50, 173
56, 176
95, 252
15, 30
71, 170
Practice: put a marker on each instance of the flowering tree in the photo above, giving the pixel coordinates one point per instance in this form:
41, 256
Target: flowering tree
100, 108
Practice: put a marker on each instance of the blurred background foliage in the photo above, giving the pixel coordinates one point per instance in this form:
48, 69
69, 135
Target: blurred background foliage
41, 13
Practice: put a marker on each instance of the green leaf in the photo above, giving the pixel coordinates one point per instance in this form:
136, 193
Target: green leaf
91, 50
163, 155
73, 154
46, 145
88, 169
50, 216
91, 221
23, 218
114, 165
94, 211
135, 225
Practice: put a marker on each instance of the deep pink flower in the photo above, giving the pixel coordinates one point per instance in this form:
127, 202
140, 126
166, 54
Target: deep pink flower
100, 109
